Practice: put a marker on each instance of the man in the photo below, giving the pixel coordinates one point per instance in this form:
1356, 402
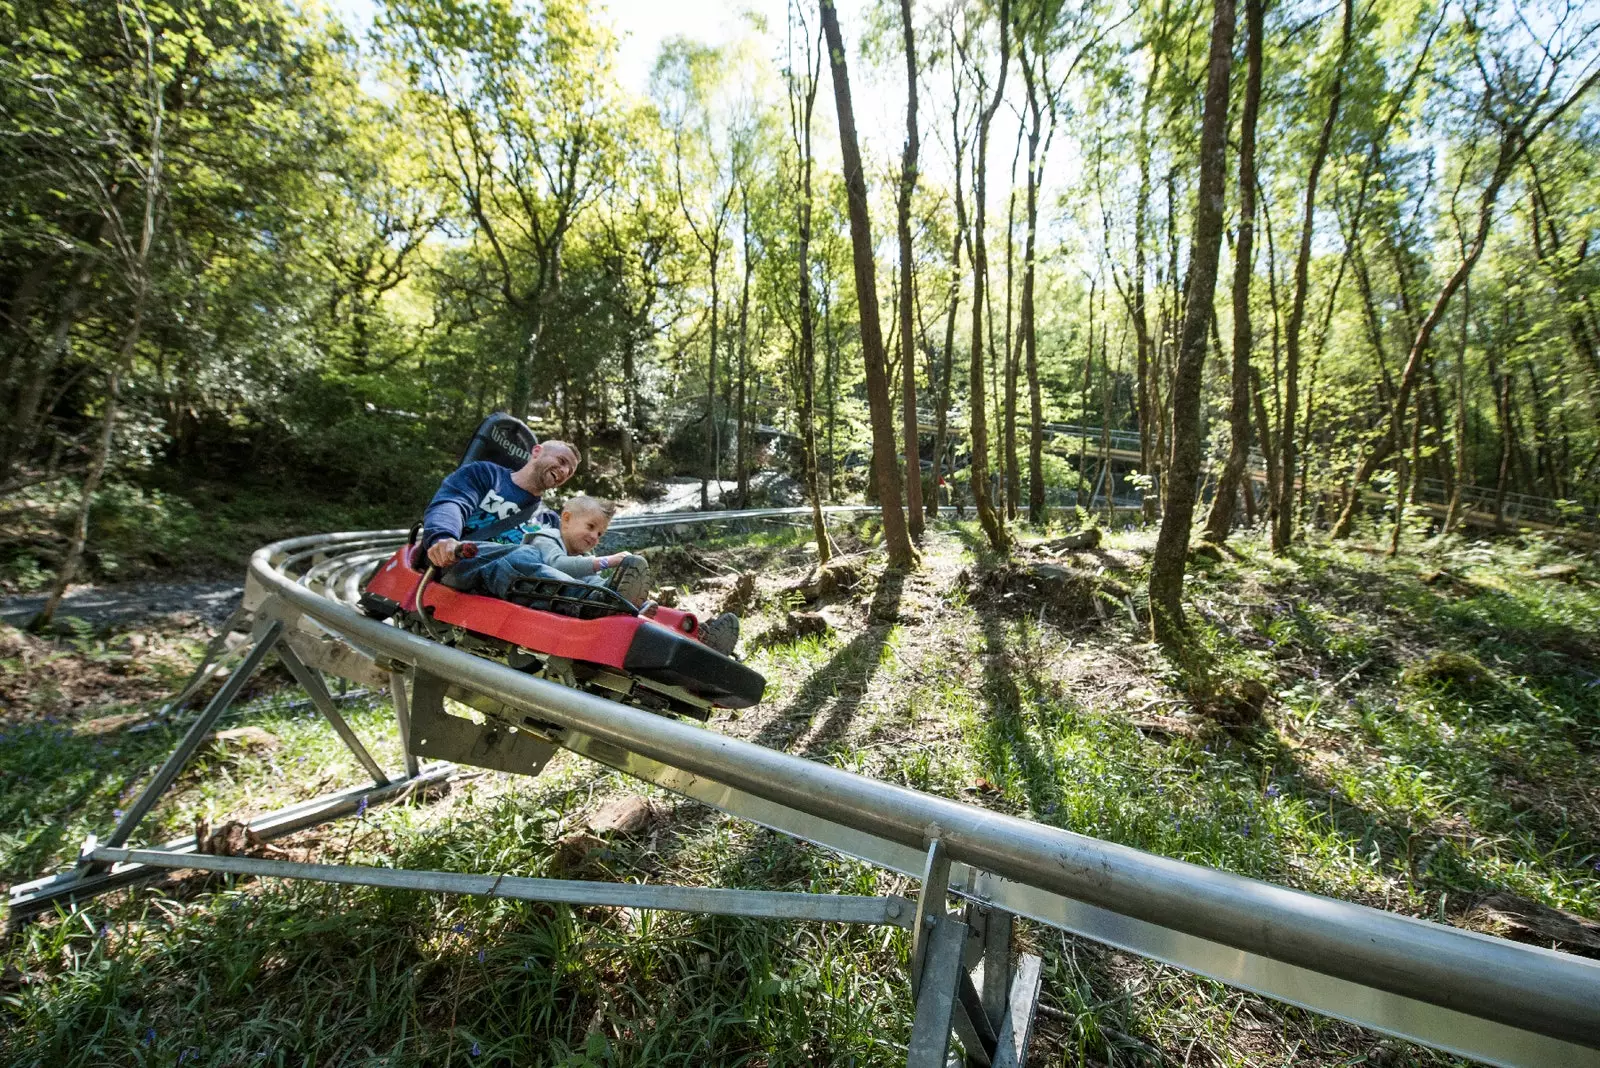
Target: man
483, 499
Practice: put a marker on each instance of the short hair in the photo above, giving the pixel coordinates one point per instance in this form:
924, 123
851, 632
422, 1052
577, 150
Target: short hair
577, 457
585, 503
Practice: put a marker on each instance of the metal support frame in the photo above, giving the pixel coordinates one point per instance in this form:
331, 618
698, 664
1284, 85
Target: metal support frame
1468, 994
713, 901
310, 681
950, 995
196, 734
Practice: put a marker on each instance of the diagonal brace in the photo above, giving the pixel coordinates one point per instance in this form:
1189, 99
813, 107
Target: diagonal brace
196, 735
310, 680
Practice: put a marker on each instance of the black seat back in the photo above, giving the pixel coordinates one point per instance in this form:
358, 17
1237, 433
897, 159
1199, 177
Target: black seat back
503, 439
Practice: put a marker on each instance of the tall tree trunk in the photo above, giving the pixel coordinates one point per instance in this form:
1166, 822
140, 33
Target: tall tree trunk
741, 458
1283, 522
1172, 543
895, 534
908, 339
801, 105
1220, 521
993, 526
1453, 513
713, 468
1013, 359
630, 409
1148, 445
1037, 511
942, 417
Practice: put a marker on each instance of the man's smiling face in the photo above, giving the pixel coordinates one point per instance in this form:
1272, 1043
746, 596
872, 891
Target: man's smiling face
551, 464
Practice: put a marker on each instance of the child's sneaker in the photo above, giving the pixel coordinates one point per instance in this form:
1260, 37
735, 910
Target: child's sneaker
722, 633
632, 579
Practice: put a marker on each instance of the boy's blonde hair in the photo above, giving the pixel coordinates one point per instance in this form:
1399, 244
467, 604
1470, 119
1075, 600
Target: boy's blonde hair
585, 503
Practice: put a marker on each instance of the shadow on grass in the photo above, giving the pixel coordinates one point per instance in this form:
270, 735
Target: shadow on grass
55, 785
1005, 730
839, 685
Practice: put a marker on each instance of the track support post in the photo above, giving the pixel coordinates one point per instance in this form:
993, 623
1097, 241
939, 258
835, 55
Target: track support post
266, 638
963, 981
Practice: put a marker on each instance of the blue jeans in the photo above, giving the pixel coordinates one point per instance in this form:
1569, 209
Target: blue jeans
497, 566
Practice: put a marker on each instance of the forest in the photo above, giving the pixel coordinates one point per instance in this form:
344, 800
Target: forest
1282, 301
244, 243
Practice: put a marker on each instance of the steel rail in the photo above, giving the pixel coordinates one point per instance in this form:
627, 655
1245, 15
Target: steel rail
769, 904
1526, 988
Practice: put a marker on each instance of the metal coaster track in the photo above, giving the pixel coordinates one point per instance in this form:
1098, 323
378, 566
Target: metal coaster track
1477, 996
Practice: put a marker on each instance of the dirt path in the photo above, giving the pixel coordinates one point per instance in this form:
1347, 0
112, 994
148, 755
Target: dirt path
102, 606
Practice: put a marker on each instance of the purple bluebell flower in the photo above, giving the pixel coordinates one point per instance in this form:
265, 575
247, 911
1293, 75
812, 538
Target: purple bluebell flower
1273, 791
361, 809
149, 1036
482, 955
458, 928
475, 1050
116, 813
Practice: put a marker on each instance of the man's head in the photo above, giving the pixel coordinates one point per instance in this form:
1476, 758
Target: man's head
583, 520
549, 465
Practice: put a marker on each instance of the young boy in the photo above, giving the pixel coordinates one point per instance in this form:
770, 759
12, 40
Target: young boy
568, 554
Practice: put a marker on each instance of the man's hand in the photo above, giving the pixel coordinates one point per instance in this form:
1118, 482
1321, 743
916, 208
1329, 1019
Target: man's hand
442, 553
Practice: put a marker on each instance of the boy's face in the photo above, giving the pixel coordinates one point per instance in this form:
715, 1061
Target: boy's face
581, 530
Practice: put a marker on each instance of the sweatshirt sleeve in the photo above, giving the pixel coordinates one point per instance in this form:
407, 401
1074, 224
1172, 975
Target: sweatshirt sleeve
457, 498
548, 545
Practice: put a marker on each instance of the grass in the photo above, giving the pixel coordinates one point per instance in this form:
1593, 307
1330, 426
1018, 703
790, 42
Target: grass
1382, 772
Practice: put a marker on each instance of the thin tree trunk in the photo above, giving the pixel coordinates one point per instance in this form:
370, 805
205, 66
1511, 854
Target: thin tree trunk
713, 468
1453, 513
800, 112
942, 417
993, 526
908, 362
1220, 521
1037, 513
741, 461
1012, 351
895, 534
1172, 542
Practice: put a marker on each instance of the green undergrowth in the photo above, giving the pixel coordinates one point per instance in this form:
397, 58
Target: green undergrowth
1430, 737
172, 527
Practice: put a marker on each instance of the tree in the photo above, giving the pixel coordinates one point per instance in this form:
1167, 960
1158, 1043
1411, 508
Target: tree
896, 538
131, 235
908, 318
993, 525
1220, 521
524, 129
1521, 92
1283, 520
1172, 543
802, 95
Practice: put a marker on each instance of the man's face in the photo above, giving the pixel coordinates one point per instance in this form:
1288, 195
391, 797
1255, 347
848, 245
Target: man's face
552, 464
581, 530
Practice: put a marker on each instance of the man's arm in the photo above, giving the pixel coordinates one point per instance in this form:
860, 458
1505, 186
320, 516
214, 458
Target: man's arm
456, 499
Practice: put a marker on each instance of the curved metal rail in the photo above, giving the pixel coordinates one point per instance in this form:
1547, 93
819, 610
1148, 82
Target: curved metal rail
1471, 994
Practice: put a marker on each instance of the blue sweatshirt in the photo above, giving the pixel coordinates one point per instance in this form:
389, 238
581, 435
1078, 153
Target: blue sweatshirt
476, 496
